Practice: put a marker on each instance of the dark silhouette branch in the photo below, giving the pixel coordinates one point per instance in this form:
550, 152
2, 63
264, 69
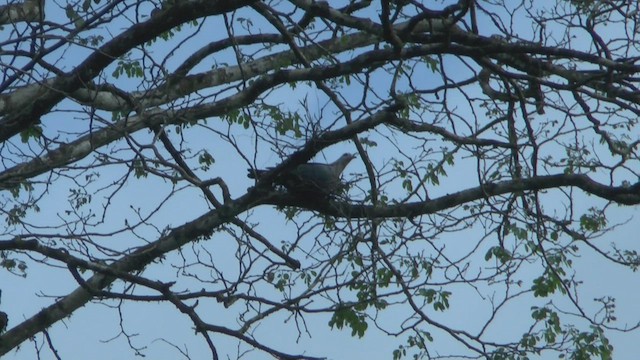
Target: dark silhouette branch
624, 195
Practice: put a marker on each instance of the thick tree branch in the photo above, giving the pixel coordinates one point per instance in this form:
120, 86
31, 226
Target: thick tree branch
26, 109
625, 195
179, 84
27, 11
82, 147
181, 235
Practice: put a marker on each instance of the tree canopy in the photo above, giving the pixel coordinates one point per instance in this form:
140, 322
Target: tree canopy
488, 212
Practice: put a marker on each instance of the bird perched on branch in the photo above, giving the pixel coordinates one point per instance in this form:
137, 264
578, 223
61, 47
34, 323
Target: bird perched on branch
312, 179
4, 320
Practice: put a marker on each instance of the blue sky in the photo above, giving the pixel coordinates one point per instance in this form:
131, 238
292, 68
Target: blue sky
95, 324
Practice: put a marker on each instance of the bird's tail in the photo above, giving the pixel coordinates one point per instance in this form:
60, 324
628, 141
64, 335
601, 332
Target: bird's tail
256, 173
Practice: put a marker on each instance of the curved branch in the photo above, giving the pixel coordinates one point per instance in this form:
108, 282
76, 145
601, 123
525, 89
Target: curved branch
625, 195
179, 84
80, 148
181, 235
23, 111
28, 11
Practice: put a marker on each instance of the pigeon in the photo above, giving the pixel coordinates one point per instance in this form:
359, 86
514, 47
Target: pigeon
4, 320
313, 179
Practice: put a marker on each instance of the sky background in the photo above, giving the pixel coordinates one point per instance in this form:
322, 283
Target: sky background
94, 331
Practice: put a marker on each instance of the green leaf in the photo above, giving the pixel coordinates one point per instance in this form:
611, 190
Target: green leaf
346, 316
500, 253
34, 131
206, 160
593, 221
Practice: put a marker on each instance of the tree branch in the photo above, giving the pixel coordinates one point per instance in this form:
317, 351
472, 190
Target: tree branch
625, 195
24, 111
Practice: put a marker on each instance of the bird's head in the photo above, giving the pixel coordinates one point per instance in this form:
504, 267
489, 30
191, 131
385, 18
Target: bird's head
342, 162
346, 157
